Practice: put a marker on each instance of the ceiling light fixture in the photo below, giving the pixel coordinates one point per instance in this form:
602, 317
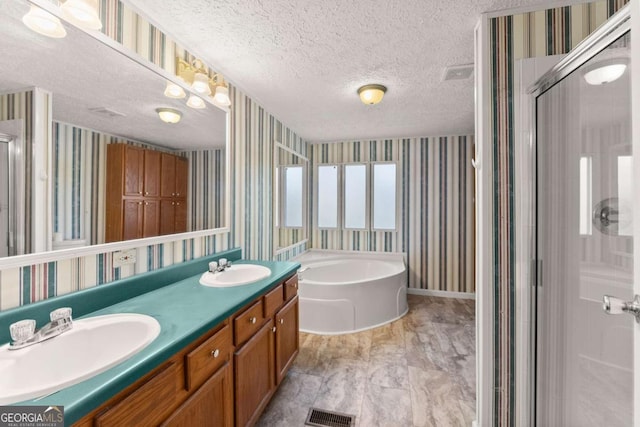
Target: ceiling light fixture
42, 22
196, 102
83, 13
169, 115
174, 91
371, 94
197, 75
605, 71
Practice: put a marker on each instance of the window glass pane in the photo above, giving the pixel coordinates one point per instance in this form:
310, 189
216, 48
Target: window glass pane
293, 197
384, 196
327, 196
355, 196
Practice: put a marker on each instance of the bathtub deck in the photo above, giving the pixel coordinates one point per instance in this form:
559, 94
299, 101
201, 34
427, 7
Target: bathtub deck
416, 371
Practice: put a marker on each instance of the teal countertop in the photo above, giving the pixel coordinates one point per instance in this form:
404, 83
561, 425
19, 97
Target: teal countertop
185, 310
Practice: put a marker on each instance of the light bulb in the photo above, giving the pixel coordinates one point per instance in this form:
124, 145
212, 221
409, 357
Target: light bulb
42, 22
83, 13
222, 96
196, 102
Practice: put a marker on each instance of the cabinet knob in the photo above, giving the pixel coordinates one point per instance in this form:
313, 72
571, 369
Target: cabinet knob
173, 194
215, 353
173, 203
177, 194
281, 321
139, 203
146, 203
146, 193
252, 320
273, 329
139, 192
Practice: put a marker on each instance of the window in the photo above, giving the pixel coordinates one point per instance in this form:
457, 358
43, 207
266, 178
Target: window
384, 196
293, 196
327, 196
357, 196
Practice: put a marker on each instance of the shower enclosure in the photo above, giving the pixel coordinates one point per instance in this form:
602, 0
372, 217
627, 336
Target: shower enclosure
6, 247
583, 242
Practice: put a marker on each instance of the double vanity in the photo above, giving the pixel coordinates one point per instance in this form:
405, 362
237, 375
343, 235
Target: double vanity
219, 355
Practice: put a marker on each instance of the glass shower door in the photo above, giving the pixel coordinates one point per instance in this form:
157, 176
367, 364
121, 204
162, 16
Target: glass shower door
584, 366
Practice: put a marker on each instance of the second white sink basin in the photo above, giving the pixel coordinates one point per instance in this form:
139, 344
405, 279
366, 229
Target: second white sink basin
235, 275
92, 346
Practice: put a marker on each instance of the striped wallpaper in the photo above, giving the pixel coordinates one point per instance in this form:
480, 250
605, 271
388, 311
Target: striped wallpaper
435, 207
253, 135
534, 34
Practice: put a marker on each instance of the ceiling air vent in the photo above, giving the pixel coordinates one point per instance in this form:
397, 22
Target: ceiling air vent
107, 112
457, 72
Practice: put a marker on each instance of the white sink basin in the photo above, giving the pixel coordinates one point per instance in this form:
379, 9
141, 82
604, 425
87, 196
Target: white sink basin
93, 345
235, 275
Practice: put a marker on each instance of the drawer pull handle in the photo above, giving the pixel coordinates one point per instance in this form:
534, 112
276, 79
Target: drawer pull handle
252, 320
273, 329
281, 321
215, 353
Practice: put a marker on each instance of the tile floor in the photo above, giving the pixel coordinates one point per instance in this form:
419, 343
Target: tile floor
416, 371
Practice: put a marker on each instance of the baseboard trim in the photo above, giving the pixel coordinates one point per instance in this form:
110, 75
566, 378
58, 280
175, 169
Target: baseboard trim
441, 294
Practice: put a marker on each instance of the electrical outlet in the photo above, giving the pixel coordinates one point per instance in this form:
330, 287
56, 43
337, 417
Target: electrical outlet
121, 258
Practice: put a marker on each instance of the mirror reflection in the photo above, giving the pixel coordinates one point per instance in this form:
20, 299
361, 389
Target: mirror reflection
84, 154
290, 197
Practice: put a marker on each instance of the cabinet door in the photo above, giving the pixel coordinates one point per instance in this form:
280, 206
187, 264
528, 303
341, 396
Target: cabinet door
181, 216
287, 340
254, 376
132, 219
151, 173
151, 218
168, 175
211, 405
133, 171
182, 177
167, 217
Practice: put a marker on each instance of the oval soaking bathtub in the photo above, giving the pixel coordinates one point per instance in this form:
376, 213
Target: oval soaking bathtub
343, 291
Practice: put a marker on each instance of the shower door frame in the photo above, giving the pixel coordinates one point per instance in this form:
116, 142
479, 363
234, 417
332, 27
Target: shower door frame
615, 27
12, 151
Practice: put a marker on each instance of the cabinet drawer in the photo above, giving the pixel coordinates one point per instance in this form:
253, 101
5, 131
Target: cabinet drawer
247, 323
208, 357
291, 287
273, 300
148, 405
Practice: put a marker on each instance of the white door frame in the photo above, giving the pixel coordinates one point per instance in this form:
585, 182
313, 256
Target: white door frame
635, 123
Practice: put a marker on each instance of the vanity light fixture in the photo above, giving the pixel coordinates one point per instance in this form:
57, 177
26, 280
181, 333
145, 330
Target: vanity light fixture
83, 13
371, 94
42, 22
607, 71
196, 102
174, 91
221, 97
169, 115
196, 74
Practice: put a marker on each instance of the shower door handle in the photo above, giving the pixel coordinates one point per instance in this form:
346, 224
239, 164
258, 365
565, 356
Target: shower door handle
613, 305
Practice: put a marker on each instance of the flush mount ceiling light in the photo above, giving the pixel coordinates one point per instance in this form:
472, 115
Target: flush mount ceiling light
197, 75
196, 102
371, 94
83, 13
42, 22
174, 91
605, 71
169, 115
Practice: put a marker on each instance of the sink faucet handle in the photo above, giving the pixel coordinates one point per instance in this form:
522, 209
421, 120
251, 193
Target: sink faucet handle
222, 262
213, 266
61, 313
22, 330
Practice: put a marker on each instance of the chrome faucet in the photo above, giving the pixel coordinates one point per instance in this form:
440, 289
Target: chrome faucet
24, 334
217, 266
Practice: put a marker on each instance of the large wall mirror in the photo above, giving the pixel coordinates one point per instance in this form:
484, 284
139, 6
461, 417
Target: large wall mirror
291, 200
63, 103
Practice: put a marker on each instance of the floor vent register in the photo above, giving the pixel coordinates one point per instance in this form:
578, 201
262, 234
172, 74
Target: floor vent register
322, 418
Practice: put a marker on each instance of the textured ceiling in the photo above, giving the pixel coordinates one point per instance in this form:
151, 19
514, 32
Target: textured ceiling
303, 60
108, 79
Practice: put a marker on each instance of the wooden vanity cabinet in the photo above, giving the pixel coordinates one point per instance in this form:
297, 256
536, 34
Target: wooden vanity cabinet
224, 378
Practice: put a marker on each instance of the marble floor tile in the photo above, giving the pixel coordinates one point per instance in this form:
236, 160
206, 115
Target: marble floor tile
343, 387
416, 371
386, 407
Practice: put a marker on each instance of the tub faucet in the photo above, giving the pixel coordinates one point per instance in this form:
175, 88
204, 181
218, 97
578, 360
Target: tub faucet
24, 334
